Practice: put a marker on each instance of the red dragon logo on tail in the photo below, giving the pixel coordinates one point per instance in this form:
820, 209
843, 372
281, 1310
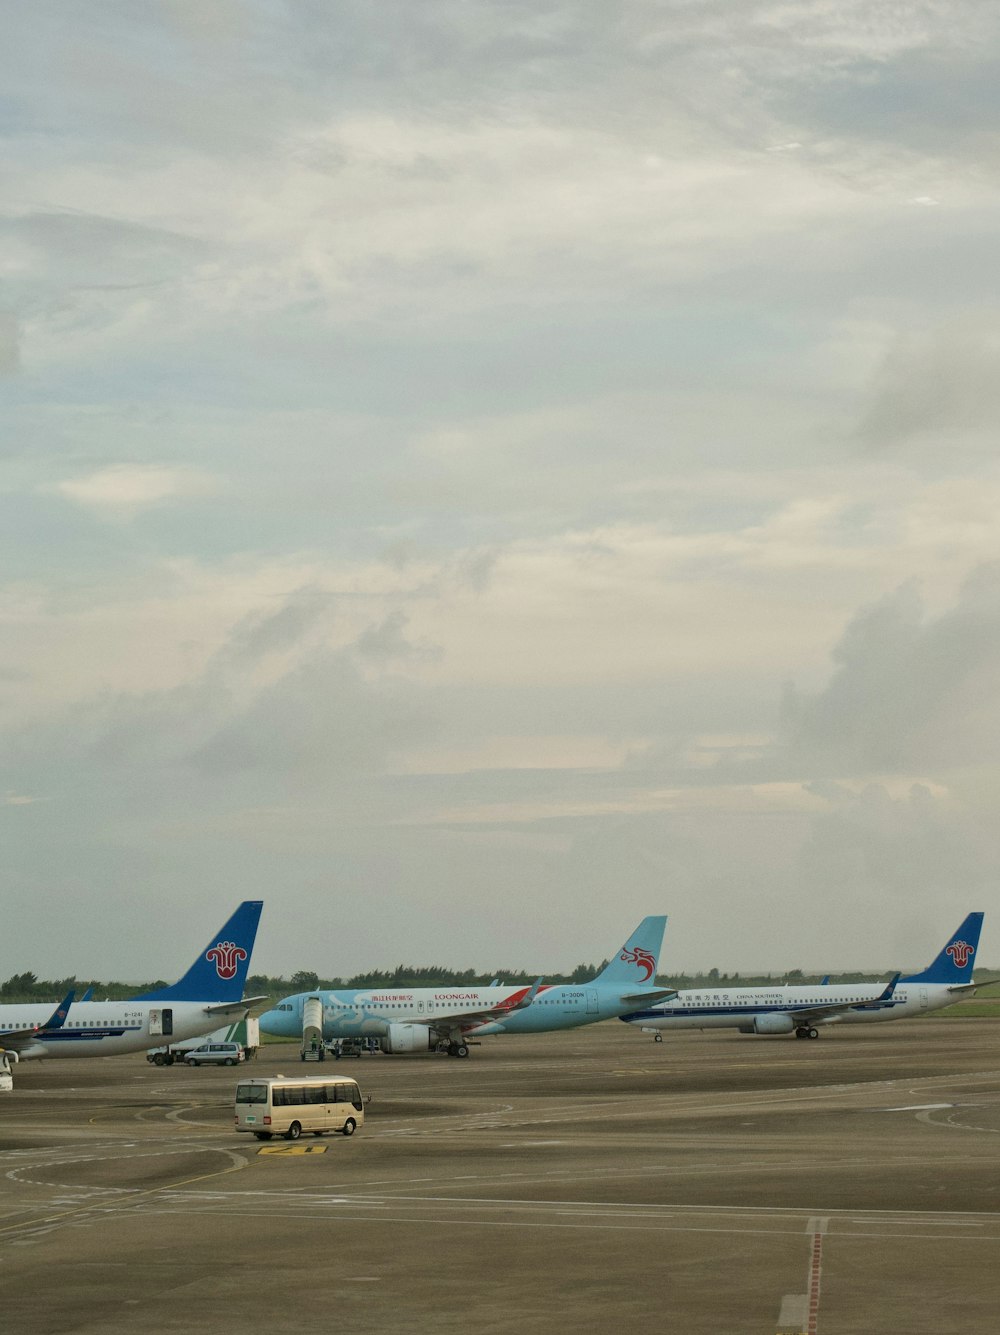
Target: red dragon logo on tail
226, 956
643, 958
960, 952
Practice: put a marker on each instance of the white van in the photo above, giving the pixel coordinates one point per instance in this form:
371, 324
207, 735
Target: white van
215, 1054
286, 1106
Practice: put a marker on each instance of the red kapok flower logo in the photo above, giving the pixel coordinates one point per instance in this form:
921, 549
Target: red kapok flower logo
226, 956
960, 952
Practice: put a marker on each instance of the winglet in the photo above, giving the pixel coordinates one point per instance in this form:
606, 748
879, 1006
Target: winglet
58, 1017
884, 995
890, 987
528, 997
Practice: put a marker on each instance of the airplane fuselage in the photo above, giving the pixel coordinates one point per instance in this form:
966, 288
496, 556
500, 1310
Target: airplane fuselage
739, 1008
352, 1014
107, 1028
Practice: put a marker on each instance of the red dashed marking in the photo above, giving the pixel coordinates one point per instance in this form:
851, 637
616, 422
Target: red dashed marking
815, 1270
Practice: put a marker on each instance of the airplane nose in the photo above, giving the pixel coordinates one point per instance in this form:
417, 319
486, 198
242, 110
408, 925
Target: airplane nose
267, 1022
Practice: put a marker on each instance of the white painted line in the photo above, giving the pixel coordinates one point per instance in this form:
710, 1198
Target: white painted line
794, 1309
918, 1107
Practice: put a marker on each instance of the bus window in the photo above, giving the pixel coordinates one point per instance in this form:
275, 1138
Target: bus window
251, 1093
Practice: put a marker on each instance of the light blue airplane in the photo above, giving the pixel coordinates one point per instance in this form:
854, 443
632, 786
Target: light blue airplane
438, 1018
802, 1008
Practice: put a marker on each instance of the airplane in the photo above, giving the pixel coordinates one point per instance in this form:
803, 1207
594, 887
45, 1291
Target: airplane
423, 1019
210, 991
798, 1009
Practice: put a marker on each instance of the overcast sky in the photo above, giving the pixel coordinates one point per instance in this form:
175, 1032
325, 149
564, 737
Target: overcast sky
474, 474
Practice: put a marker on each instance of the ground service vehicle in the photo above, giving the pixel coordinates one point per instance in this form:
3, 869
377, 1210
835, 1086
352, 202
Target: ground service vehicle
215, 1054
286, 1106
245, 1032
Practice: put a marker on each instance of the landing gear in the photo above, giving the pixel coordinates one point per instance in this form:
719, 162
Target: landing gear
806, 1031
458, 1049
657, 1038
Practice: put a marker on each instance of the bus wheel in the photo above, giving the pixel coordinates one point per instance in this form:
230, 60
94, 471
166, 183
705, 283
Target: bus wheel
350, 1126
293, 1132
262, 1135
159, 1059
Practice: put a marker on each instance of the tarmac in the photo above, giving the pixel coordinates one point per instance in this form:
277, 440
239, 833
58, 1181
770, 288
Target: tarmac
711, 1184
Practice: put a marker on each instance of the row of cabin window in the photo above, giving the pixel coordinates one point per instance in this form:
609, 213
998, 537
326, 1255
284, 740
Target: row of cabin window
292, 1096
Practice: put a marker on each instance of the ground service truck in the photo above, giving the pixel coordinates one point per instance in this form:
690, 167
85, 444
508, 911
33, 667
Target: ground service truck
245, 1032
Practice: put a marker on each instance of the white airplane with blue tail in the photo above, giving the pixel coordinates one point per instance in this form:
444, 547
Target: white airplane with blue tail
423, 1019
210, 992
801, 1009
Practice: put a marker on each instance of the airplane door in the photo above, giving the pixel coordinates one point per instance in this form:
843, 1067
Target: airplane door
592, 1006
161, 1021
923, 998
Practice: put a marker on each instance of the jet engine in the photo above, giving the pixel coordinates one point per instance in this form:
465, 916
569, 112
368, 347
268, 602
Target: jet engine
769, 1024
407, 1038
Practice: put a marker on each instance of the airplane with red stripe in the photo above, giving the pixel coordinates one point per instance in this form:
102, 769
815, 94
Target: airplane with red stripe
423, 1019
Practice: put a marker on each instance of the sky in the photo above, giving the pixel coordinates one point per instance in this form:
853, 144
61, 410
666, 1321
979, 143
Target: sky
473, 475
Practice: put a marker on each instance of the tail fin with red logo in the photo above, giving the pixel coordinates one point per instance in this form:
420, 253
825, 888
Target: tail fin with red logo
958, 957
636, 962
220, 971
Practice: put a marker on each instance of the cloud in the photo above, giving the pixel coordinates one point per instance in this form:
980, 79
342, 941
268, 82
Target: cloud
10, 345
910, 692
939, 384
502, 402
127, 489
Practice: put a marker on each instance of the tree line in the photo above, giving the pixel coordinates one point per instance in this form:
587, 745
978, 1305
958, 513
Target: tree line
28, 987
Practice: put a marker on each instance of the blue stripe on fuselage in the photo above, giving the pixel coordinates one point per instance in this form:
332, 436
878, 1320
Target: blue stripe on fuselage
75, 1035
703, 1012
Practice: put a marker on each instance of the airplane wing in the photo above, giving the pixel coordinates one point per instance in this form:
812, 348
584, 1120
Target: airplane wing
469, 1019
816, 1014
20, 1041
650, 995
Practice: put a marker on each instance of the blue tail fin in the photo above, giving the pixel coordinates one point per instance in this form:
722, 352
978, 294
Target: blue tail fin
219, 972
956, 961
639, 957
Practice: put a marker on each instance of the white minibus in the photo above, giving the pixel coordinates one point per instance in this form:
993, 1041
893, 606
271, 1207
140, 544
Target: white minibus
286, 1106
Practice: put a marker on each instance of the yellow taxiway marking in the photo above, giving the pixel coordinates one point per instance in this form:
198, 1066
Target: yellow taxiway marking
292, 1149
